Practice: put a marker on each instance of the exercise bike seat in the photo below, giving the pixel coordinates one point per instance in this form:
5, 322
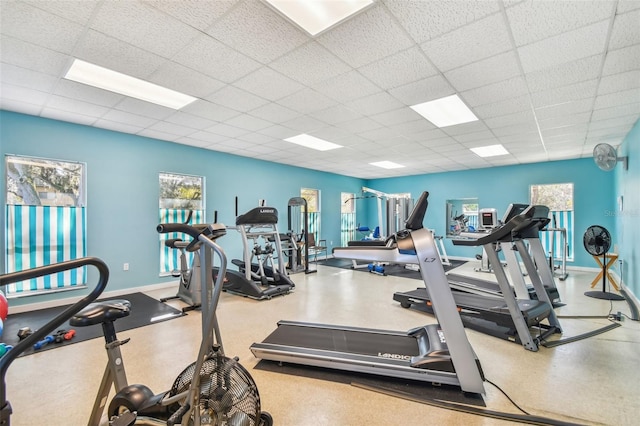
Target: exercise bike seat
100, 312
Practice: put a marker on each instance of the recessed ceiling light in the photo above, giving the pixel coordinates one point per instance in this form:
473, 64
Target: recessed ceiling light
387, 165
490, 150
104, 78
313, 142
445, 112
316, 16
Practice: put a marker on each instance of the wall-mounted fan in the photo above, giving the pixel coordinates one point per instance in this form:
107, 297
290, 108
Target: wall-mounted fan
606, 157
597, 242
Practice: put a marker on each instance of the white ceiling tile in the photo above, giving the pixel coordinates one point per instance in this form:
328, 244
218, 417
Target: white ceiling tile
550, 52
366, 37
374, 104
424, 90
626, 30
401, 68
147, 109
461, 129
379, 134
256, 138
68, 116
550, 123
527, 128
238, 99
618, 98
157, 134
337, 114
249, 122
304, 124
532, 21
117, 55
360, 125
268, 84
30, 56
117, 126
274, 113
585, 89
619, 82
199, 14
401, 115
76, 11
186, 80
627, 5
411, 129
279, 132
478, 40
143, 26
24, 94
475, 136
519, 105
257, 31
19, 106
307, 101
192, 142
79, 107
23, 77
566, 73
624, 122
216, 60
128, 118
207, 137
425, 20
622, 60
309, 64
346, 87
210, 110
495, 92
618, 111
182, 118
577, 129
19, 19
71, 89
331, 134
567, 108
487, 71
227, 130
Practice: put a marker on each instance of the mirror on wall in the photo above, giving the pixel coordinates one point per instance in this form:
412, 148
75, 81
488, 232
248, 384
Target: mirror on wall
462, 216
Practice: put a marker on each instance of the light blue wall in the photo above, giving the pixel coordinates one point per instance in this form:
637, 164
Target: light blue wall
497, 187
628, 220
122, 179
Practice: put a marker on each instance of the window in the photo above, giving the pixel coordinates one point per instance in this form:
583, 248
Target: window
313, 210
181, 200
559, 198
462, 215
46, 221
347, 218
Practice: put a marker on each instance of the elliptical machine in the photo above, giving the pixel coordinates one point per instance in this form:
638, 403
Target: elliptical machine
214, 390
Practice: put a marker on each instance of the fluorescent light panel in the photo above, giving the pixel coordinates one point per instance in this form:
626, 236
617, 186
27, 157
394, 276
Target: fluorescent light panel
315, 16
313, 142
490, 150
387, 165
445, 112
104, 78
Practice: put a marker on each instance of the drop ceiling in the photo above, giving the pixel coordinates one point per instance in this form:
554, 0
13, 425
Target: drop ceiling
547, 79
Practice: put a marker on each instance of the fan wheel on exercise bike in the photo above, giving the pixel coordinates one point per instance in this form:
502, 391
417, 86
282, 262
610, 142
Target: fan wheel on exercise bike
228, 393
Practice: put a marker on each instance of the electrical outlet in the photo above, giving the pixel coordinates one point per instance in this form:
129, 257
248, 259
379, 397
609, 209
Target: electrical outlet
125, 267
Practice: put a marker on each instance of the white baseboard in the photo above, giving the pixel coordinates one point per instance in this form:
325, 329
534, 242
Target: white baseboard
69, 300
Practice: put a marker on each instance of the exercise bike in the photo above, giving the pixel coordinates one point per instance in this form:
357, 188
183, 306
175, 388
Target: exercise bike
188, 284
214, 390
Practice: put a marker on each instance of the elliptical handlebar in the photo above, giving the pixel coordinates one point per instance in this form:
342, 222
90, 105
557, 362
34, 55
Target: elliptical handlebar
53, 324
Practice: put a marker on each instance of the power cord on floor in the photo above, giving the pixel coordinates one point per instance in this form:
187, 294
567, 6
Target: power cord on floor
508, 397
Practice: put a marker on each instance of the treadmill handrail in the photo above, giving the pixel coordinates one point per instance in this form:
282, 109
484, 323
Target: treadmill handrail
502, 233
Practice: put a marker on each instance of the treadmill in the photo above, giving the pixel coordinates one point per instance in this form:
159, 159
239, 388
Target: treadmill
436, 353
506, 317
521, 288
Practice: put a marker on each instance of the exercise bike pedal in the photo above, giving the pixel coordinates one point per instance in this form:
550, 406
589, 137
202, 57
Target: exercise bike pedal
124, 419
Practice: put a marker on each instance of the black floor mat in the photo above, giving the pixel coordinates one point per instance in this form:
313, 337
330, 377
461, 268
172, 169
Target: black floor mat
395, 270
145, 310
419, 390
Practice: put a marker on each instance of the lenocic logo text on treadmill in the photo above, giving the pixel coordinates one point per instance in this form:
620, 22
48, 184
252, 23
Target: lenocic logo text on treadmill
394, 356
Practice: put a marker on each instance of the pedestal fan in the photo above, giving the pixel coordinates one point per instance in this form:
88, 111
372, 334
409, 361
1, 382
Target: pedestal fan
597, 242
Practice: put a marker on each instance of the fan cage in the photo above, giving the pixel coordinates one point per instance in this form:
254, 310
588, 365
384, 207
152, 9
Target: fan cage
228, 394
597, 240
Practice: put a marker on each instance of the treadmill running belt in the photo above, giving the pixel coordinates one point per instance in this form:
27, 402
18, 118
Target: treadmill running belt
342, 341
